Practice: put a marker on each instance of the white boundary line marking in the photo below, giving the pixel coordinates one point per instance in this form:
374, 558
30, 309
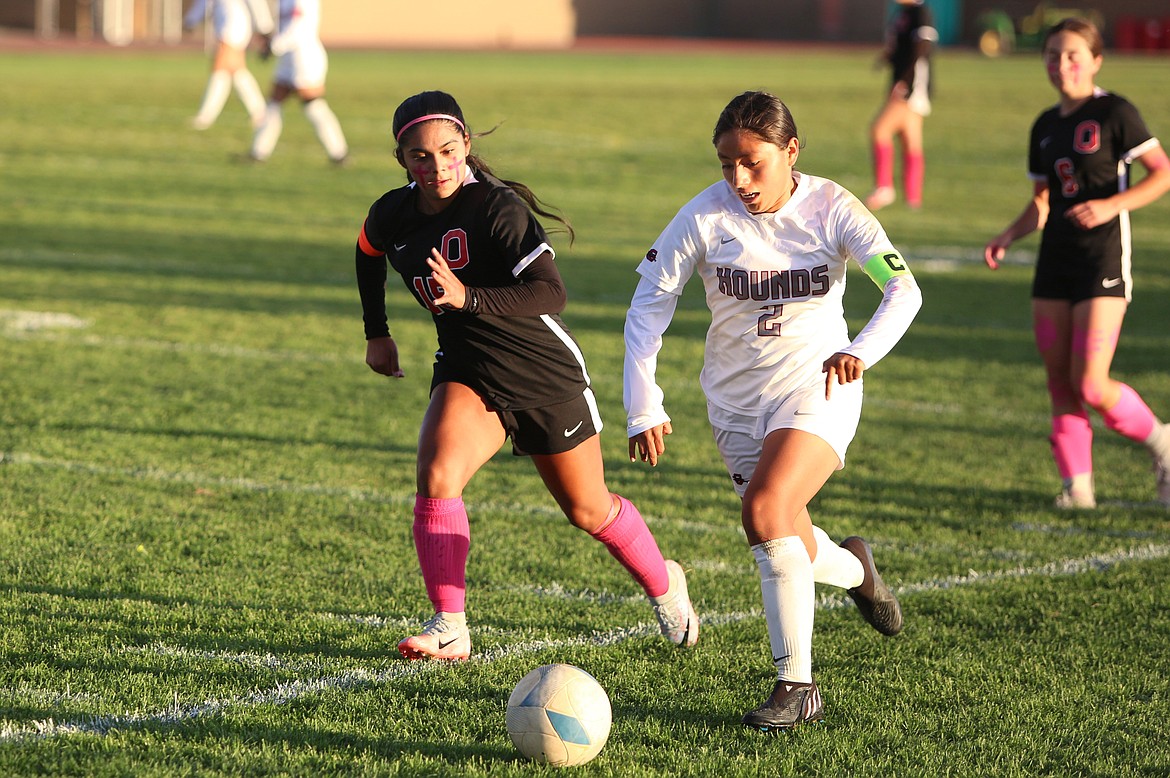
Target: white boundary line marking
290, 691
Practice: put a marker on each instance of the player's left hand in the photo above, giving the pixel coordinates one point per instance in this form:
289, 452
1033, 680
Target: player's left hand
1091, 213
452, 293
846, 368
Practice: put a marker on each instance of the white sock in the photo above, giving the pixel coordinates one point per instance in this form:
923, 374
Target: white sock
786, 582
834, 565
328, 129
1081, 485
250, 95
1159, 441
219, 86
264, 141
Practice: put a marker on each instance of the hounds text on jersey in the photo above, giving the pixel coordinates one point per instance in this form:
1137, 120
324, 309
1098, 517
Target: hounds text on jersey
774, 284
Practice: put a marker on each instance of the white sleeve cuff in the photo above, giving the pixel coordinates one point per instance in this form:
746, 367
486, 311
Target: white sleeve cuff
649, 315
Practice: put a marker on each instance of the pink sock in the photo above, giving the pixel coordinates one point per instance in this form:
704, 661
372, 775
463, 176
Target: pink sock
1131, 416
442, 538
883, 165
1072, 444
913, 170
629, 540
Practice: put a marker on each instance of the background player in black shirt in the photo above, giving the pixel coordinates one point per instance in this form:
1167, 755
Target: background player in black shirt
909, 41
470, 249
1079, 160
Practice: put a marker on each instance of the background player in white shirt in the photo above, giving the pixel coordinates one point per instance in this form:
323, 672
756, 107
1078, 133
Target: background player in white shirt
1079, 159
781, 375
233, 21
300, 70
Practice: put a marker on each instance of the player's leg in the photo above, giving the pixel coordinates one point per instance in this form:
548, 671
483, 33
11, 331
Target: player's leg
882, 131
268, 133
1072, 433
219, 85
1096, 328
459, 434
913, 158
250, 94
325, 124
576, 480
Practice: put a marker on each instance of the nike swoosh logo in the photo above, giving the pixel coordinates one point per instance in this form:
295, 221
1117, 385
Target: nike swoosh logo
803, 413
1109, 283
399, 248
569, 433
443, 645
725, 240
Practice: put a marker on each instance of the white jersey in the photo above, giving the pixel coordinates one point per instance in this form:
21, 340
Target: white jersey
774, 284
303, 62
233, 20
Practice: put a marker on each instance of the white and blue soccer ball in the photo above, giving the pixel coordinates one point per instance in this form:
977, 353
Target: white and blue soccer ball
559, 715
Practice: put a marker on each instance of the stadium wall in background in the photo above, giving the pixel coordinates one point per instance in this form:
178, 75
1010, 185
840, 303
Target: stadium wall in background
1129, 25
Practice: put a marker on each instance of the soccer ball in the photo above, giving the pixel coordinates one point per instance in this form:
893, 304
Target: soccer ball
559, 715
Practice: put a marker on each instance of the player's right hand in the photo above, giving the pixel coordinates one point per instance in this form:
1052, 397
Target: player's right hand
994, 251
382, 356
649, 445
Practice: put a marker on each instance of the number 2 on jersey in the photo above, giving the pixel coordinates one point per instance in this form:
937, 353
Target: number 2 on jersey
768, 325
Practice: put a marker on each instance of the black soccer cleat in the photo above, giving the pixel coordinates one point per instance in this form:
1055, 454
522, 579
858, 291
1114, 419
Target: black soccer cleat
789, 705
874, 599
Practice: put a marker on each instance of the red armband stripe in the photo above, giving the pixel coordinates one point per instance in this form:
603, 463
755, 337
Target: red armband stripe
365, 245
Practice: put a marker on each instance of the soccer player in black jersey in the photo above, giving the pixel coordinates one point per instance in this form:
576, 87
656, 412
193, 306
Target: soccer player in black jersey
1079, 159
470, 249
909, 41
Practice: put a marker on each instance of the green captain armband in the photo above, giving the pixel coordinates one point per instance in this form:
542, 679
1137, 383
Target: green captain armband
882, 267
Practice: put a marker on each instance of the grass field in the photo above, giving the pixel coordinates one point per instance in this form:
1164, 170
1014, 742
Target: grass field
205, 548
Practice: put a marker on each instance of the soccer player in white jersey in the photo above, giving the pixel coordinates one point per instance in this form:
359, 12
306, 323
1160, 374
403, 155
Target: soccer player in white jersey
233, 21
300, 70
782, 377
1079, 158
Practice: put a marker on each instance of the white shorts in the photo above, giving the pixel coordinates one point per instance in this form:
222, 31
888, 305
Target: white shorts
233, 25
303, 68
740, 439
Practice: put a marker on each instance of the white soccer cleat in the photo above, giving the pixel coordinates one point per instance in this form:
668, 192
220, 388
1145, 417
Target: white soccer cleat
1162, 474
1070, 500
676, 615
444, 636
880, 198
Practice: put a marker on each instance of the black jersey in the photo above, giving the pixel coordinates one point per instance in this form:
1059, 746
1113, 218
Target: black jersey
488, 237
1086, 156
911, 37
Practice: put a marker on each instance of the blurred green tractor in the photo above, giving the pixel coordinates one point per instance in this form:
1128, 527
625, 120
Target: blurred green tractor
999, 34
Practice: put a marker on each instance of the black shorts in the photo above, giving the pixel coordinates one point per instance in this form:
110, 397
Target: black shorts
552, 429
1096, 266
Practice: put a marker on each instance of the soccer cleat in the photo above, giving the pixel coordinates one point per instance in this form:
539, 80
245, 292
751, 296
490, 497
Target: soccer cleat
676, 615
789, 705
880, 198
444, 636
874, 599
1070, 500
1162, 473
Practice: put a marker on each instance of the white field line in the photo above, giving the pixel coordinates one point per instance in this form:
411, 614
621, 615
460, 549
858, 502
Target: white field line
200, 479
181, 347
286, 692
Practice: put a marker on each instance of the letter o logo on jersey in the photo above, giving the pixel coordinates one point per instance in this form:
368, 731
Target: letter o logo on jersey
1087, 137
652, 255
454, 249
